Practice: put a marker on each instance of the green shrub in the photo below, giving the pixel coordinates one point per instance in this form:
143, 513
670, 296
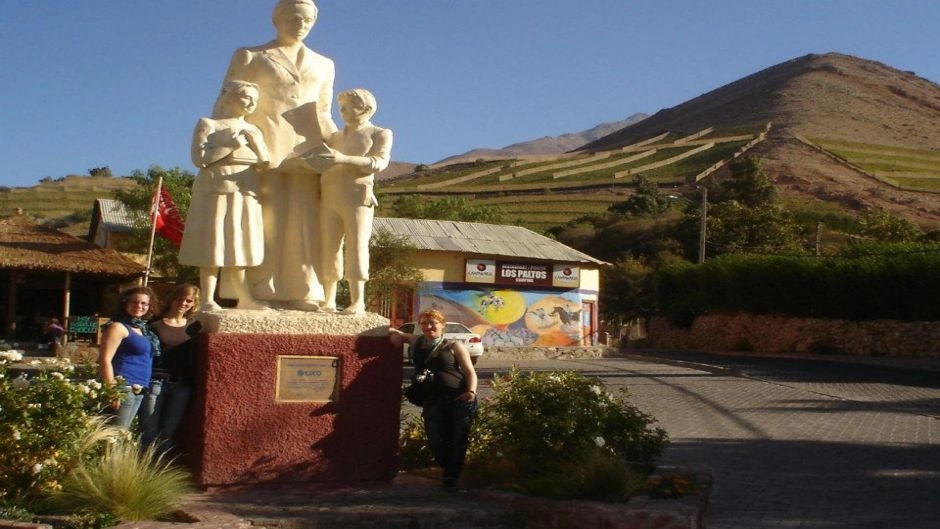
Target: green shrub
413, 446
88, 519
15, 513
590, 474
538, 428
537, 418
867, 282
57, 452
42, 420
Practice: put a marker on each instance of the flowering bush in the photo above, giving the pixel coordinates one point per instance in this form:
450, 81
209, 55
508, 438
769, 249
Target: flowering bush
555, 434
538, 418
42, 418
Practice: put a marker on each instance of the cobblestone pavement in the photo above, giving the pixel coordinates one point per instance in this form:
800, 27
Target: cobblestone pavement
799, 443
791, 443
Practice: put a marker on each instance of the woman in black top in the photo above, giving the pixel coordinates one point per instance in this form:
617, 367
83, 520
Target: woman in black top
175, 327
448, 412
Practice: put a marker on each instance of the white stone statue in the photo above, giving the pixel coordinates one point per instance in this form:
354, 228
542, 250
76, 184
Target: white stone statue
348, 203
294, 116
224, 226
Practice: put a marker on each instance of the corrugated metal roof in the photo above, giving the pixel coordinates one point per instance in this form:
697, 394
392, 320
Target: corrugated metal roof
434, 235
114, 215
479, 238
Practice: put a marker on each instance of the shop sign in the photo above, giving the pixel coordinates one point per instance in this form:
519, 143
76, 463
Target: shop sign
480, 271
566, 276
523, 274
531, 274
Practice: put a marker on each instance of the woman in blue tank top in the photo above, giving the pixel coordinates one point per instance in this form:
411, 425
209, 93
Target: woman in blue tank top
126, 354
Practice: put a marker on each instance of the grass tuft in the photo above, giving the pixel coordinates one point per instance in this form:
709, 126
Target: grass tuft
126, 482
593, 474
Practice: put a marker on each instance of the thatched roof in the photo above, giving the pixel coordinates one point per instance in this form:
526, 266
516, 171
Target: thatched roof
26, 246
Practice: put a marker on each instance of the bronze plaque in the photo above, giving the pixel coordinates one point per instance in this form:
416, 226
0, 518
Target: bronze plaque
307, 378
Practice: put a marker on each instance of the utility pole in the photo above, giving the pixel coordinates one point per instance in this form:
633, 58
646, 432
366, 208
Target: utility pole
701, 234
818, 239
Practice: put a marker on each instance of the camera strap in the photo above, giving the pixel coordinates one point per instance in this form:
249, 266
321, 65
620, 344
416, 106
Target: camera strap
434, 353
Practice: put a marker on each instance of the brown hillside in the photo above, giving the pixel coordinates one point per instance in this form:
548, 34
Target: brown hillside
395, 169
831, 96
545, 145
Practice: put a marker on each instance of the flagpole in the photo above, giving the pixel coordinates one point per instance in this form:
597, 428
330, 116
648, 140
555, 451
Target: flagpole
154, 211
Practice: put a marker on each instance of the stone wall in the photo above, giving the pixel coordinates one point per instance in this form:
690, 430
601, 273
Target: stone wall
774, 334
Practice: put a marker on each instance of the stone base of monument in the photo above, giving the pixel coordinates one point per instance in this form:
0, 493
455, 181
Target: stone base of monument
294, 396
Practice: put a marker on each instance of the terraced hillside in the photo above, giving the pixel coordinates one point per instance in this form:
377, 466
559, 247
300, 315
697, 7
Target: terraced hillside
873, 130
60, 197
68, 199
874, 142
544, 191
913, 169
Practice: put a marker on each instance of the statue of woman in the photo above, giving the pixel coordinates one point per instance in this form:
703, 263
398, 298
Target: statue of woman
294, 116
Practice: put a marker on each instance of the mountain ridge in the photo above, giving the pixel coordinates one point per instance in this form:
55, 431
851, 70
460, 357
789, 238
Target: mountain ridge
545, 145
800, 93
830, 96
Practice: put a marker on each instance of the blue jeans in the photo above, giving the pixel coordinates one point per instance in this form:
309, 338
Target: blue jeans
149, 415
447, 424
169, 409
139, 405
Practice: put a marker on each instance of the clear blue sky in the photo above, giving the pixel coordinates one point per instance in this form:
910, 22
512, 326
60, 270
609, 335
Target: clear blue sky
89, 83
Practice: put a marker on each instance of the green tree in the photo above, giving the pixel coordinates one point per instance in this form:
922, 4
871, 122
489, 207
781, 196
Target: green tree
447, 208
408, 207
137, 201
627, 290
611, 237
390, 267
100, 171
749, 185
880, 225
742, 216
646, 200
732, 227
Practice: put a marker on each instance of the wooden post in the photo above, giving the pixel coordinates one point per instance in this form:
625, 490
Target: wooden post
66, 302
818, 239
701, 234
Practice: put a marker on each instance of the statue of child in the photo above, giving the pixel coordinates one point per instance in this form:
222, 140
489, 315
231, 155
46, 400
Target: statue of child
347, 203
224, 227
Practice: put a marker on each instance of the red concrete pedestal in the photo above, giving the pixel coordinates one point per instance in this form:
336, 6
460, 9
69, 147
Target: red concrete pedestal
241, 434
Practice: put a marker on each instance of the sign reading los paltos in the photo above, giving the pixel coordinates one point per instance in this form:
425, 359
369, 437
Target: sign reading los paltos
532, 274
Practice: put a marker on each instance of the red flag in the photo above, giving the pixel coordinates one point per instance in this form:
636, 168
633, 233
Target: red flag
166, 218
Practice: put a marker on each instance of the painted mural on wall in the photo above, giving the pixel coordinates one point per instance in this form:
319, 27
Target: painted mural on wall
512, 317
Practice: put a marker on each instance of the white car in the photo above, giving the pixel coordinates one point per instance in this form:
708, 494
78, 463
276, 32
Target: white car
457, 332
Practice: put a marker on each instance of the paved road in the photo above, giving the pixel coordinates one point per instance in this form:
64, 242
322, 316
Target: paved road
790, 443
